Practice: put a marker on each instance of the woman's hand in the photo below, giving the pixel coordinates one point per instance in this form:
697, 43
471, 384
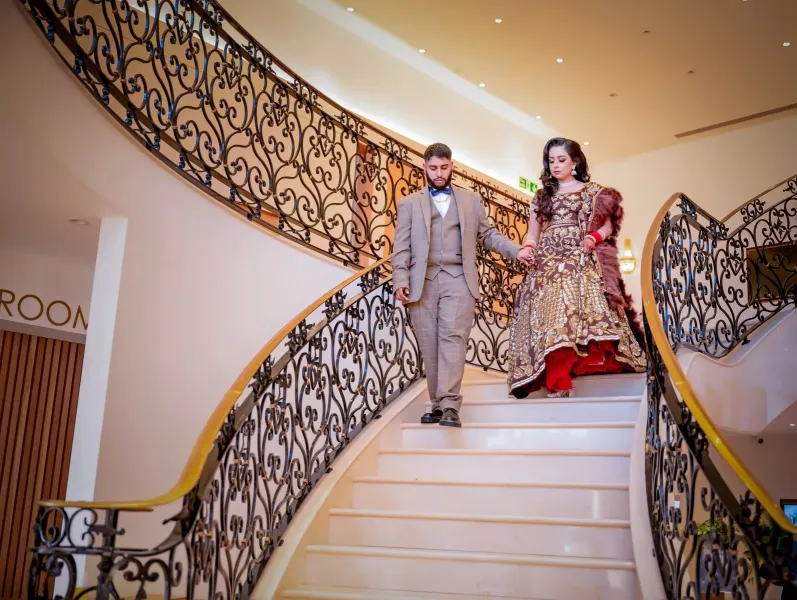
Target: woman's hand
528, 255
588, 244
525, 255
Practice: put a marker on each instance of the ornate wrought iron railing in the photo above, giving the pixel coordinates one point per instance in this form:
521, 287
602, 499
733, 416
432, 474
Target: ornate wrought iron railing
202, 95
186, 81
707, 285
300, 401
716, 281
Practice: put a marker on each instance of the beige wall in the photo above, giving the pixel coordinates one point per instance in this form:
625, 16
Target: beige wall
771, 463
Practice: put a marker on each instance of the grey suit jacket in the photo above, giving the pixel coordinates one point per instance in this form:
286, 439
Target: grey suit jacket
411, 243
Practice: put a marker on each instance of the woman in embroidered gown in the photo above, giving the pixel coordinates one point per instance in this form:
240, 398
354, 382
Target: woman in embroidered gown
572, 315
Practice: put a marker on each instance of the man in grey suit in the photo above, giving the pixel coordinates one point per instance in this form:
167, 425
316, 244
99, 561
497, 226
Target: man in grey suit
435, 275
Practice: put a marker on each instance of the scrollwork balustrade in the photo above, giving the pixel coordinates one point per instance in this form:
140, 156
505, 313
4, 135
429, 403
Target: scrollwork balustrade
713, 286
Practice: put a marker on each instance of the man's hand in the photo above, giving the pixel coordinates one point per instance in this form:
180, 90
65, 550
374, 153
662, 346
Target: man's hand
403, 295
526, 256
588, 244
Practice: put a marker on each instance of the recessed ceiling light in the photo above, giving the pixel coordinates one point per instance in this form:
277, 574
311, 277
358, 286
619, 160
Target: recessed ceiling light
791, 424
538, 117
421, 50
499, 20
613, 95
787, 44
690, 72
647, 31
78, 222
350, 9
481, 85
560, 60
586, 143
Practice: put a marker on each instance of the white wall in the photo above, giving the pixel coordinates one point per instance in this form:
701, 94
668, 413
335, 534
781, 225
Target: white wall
46, 291
81, 483
201, 290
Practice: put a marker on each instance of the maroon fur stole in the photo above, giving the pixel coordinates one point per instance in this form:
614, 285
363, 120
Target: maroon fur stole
607, 205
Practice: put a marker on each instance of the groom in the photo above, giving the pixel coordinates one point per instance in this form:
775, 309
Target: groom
435, 274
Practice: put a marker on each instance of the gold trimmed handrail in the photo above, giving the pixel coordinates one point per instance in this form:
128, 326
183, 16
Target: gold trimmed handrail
681, 382
207, 437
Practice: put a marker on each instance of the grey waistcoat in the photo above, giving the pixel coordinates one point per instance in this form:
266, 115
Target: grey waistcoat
445, 242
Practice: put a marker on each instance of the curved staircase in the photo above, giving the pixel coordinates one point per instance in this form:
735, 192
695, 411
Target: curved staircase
528, 500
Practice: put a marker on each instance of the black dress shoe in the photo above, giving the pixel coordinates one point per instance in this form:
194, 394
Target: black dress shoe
432, 418
450, 418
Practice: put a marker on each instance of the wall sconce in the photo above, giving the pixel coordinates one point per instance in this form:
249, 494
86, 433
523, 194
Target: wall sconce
627, 260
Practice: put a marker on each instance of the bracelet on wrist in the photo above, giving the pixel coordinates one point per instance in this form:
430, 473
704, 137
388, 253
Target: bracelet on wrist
596, 236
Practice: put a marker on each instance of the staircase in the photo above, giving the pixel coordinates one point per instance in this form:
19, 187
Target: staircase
528, 500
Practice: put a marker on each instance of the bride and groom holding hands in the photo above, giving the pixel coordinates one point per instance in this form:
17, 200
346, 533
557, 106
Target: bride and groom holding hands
572, 315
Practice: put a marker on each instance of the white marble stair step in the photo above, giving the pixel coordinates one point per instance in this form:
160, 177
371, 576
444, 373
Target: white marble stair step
578, 500
341, 593
544, 410
504, 534
529, 436
479, 573
625, 384
497, 466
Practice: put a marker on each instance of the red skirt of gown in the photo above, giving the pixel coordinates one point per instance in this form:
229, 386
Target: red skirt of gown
563, 364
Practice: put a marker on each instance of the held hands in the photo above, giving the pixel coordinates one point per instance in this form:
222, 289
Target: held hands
591, 240
403, 295
526, 256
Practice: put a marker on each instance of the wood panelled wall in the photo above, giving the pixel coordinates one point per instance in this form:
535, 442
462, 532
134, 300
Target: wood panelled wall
39, 382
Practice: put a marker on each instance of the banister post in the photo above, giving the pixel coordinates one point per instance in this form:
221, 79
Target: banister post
109, 531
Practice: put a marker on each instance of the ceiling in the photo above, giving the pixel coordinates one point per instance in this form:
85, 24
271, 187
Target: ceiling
784, 423
39, 198
675, 65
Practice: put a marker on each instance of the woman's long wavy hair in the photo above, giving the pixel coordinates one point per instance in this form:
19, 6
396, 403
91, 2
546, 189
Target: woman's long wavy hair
550, 185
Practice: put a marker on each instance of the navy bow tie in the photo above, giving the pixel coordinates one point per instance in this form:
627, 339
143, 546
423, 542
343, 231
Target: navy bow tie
435, 191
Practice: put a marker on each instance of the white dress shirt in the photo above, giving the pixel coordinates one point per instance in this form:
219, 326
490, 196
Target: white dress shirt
442, 202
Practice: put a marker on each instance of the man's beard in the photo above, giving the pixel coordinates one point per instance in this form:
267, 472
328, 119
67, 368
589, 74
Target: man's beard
439, 187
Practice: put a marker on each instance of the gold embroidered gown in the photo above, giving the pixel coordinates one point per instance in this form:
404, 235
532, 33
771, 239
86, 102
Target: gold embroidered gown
563, 322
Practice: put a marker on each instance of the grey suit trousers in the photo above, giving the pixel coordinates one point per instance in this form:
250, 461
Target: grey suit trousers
442, 320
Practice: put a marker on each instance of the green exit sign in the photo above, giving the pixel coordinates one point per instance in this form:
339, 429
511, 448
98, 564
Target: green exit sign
527, 184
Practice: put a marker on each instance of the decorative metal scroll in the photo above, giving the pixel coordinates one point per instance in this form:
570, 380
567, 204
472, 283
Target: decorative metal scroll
305, 404
713, 287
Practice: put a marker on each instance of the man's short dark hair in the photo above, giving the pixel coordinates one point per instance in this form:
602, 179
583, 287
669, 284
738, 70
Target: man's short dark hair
438, 151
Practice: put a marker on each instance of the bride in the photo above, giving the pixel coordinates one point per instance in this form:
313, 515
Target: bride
572, 314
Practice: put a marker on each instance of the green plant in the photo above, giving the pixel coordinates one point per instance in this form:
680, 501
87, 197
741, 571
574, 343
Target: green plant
721, 526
